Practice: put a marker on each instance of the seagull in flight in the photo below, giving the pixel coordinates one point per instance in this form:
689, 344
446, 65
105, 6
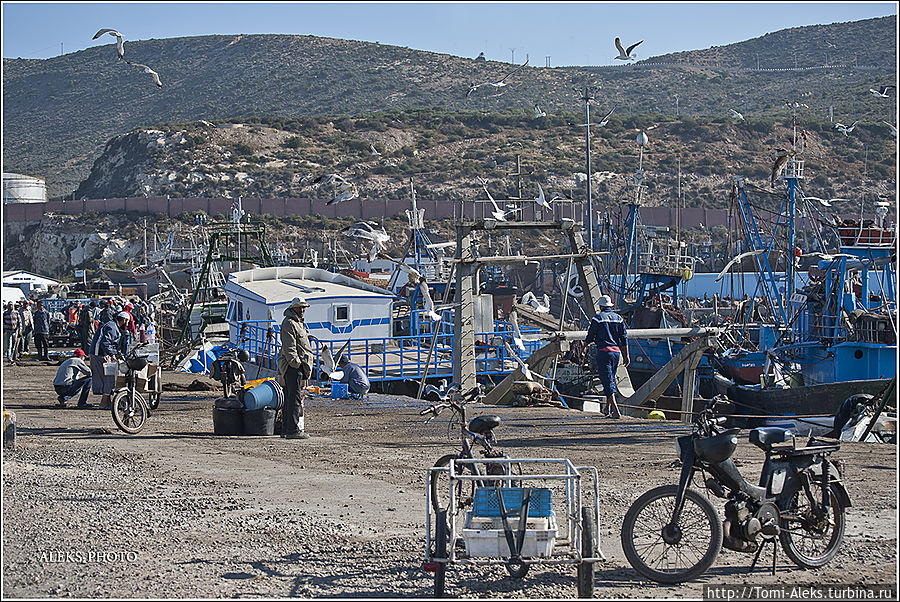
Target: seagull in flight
795, 105
538, 113
497, 84
497, 213
120, 44
893, 128
605, 119
625, 55
737, 259
541, 200
428, 302
882, 92
150, 71
345, 192
737, 115
844, 129
373, 151
502, 81
824, 202
331, 178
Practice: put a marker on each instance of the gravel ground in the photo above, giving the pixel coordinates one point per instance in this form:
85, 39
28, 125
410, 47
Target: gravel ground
175, 511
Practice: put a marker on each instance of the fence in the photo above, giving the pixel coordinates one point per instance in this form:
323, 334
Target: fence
396, 358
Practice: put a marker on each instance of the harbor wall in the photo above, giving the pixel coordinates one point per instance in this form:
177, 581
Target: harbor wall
359, 208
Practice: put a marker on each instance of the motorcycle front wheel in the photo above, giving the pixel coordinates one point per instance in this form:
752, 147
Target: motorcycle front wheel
671, 553
808, 540
129, 417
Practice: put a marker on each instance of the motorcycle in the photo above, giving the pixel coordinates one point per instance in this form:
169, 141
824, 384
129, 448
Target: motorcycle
672, 534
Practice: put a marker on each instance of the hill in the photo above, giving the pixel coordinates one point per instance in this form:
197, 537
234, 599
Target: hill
59, 113
446, 152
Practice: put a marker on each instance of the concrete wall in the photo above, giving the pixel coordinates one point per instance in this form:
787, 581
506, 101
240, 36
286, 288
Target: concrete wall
360, 208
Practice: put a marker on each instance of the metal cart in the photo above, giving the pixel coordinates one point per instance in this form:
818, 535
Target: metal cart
492, 532
150, 377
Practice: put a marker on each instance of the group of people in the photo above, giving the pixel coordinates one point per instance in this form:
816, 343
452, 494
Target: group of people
109, 343
295, 365
20, 324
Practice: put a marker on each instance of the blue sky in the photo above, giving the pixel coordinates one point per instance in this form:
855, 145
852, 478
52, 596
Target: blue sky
570, 34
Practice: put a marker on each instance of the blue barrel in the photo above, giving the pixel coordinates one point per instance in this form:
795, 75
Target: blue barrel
267, 394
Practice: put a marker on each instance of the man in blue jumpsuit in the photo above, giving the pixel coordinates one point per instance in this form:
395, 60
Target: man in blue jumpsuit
607, 331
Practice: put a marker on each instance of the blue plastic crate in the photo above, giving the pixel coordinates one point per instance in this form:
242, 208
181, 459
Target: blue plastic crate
487, 504
339, 391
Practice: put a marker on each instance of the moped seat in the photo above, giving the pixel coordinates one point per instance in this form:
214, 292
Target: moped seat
483, 424
765, 437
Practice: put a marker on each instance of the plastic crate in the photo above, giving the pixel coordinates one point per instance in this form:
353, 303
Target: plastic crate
339, 391
484, 536
487, 504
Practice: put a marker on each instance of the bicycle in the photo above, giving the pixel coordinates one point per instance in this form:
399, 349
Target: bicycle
129, 408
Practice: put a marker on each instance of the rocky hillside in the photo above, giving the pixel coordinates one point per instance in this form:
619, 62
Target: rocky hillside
59, 113
446, 152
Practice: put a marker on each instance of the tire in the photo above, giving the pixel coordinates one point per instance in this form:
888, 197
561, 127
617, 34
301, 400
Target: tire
660, 501
798, 536
132, 421
440, 551
153, 400
586, 569
440, 486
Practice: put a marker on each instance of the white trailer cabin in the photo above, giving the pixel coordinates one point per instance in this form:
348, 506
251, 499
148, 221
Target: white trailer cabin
341, 307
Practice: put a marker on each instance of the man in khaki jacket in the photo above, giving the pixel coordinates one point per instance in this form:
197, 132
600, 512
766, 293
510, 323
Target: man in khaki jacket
295, 361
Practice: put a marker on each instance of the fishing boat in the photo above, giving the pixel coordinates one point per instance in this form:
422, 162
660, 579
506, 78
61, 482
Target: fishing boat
837, 333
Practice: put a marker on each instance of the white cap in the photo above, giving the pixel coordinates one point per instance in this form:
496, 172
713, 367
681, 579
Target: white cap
604, 301
123, 314
298, 302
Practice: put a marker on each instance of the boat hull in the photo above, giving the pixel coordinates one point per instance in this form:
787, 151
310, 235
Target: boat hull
820, 400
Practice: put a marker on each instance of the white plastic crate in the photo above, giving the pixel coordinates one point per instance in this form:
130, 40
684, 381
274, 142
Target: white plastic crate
484, 536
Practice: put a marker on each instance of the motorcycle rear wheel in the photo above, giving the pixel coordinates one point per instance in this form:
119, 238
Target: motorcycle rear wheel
686, 559
808, 542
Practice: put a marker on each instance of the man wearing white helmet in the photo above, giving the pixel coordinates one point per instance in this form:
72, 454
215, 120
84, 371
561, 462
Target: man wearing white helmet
607, 331
109, 342
295, 359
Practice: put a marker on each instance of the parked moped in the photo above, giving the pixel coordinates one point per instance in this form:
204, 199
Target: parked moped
673, 534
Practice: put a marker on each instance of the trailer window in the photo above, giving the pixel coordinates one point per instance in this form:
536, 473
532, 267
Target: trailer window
341, 313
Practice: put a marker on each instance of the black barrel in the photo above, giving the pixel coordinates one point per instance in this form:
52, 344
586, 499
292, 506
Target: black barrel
259, 422
228, 421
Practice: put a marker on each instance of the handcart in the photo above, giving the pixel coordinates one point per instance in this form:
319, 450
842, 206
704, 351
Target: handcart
483, 523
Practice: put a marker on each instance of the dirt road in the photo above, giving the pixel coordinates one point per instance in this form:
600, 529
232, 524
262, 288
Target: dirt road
178, 512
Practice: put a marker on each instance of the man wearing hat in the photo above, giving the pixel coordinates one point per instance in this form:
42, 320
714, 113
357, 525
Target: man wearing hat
607, 331
110, 341
68, 382
295, 359
354, 376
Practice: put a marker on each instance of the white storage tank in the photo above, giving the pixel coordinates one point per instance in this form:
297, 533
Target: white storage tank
23, 189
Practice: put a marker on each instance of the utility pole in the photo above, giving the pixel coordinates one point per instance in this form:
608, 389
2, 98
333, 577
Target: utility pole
587, 98
676, 106
61, 49
513, 51
757, 61
548, 60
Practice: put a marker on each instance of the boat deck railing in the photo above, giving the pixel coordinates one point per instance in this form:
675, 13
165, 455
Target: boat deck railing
394, 358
